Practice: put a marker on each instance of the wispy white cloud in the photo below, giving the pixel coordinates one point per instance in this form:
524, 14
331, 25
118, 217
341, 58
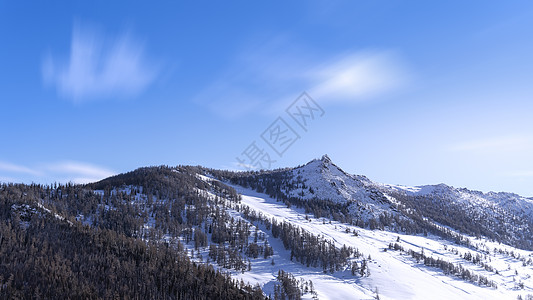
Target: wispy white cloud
507, 144
524, 173
100, 67
79, 172
63, 171
14, 168
359, 77
268, 79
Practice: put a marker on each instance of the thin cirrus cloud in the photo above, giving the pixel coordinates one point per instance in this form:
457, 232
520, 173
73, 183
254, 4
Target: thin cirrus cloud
100, 67
18, 169
79, 172
498, 144
64, 171
360, 76
268, 80
527, 173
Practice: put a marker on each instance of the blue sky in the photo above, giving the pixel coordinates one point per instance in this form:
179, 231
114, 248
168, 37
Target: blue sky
412, 92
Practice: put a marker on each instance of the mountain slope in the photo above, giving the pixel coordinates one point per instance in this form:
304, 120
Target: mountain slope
312, 231
322, 185
394, 274
325, 189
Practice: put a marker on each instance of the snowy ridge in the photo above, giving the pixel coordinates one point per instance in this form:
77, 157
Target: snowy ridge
505, 217
503, 199
493, 206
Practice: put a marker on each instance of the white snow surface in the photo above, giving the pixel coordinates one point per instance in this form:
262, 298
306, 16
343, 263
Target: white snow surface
393, 274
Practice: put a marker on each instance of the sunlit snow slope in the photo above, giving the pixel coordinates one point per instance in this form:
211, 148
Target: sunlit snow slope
394, 275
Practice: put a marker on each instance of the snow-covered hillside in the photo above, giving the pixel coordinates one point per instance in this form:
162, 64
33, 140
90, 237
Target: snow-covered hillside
313, 231
402, 266
392, 274
502, 217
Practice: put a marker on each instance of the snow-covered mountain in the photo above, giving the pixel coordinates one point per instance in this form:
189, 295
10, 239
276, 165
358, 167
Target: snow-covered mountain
322, 179
504, 217
312, 231
451, 225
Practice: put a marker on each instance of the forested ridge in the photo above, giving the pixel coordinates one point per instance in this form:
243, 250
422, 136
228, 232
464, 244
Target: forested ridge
45, 252
132, 236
